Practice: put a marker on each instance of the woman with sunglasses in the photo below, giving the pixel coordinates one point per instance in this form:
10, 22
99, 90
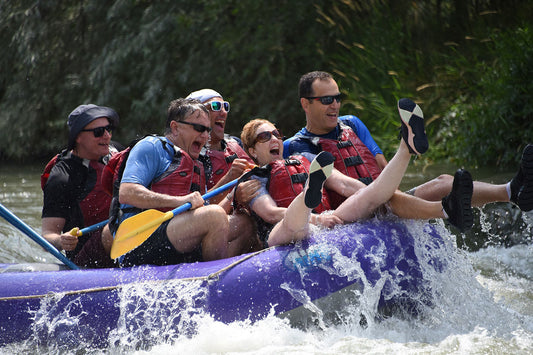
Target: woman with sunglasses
73, 195
281, 225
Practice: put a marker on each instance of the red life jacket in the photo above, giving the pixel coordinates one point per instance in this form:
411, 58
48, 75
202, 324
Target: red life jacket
352, 158
184, 175
287, 179
113, 170
95, 206
221, 160
47, 169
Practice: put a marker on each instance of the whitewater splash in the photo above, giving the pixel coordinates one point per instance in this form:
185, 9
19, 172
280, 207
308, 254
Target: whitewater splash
169, 316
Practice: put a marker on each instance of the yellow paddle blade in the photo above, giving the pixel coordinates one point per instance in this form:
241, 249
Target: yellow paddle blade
135, 230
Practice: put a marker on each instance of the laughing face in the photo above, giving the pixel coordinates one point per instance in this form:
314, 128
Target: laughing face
267, 151
187, 135
322, 119
88, 146
218, 122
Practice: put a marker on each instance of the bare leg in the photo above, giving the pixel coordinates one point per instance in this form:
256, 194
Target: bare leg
364, 202
438, 188
407, 206
107, 239
207, 225
242, 237
295, 224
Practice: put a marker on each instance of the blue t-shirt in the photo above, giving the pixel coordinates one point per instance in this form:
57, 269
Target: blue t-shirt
293, 145
148, 159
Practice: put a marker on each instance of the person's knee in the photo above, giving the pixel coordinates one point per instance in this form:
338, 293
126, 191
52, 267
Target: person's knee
435, 189
445, 179
107, 239
214, 214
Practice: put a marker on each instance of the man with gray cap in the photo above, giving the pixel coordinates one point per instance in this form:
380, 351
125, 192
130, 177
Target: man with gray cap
223, 157
73, 194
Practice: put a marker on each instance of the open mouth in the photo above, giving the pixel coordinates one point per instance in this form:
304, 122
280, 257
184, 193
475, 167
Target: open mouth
220, 123
274, 151
197, 145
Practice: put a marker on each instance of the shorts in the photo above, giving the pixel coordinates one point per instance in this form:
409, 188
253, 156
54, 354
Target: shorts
158, 250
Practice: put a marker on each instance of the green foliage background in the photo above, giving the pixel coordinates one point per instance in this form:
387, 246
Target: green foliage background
469, 64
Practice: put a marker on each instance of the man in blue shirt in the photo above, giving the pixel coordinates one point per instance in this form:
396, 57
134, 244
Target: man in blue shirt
164, 173
320, 99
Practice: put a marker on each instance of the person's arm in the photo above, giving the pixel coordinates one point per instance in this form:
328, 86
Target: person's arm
238, 167
267, 209
52, 231
139, 196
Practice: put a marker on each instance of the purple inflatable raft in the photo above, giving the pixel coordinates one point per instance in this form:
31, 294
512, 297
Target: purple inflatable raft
330, 270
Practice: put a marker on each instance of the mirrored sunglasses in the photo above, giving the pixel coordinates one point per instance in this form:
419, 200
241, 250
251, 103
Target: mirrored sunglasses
266, 136
217, 106
197, 127
99, 131
326, 100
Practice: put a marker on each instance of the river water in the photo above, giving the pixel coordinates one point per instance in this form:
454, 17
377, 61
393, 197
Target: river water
486, 299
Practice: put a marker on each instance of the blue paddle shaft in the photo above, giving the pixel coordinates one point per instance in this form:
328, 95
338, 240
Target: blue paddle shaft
23, 227
206, 196
93, 227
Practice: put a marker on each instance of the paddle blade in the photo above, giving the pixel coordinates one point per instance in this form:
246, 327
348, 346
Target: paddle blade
135, 230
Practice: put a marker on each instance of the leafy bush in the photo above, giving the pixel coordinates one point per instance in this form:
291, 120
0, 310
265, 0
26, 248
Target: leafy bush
494, 121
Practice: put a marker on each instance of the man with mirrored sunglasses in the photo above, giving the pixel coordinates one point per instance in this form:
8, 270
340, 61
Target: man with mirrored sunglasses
224, 160
72, 192
223, 157
323, 122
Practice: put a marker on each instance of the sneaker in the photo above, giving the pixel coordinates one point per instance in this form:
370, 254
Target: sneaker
522, 183
412, 129
458, 203
320, 169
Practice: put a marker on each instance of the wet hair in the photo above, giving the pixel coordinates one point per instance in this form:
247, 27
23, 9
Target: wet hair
180, 109
248, 133
305, 87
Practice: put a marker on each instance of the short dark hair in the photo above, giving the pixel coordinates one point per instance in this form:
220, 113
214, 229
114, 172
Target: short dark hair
305, 88
180, 109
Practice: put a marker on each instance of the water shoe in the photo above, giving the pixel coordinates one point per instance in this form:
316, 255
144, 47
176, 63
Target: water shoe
412, 129
320, 169
458, 203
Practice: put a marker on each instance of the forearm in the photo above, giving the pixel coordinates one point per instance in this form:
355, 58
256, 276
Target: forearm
139, 196
54, 239
269, 214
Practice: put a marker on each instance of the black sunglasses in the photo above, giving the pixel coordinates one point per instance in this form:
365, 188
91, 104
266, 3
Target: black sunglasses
217, 105
266, 136
197, 127
99, 131
326, 100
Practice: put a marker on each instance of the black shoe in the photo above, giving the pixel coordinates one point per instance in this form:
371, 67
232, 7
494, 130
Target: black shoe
412, 129
522, 183
320, 169
458, 203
